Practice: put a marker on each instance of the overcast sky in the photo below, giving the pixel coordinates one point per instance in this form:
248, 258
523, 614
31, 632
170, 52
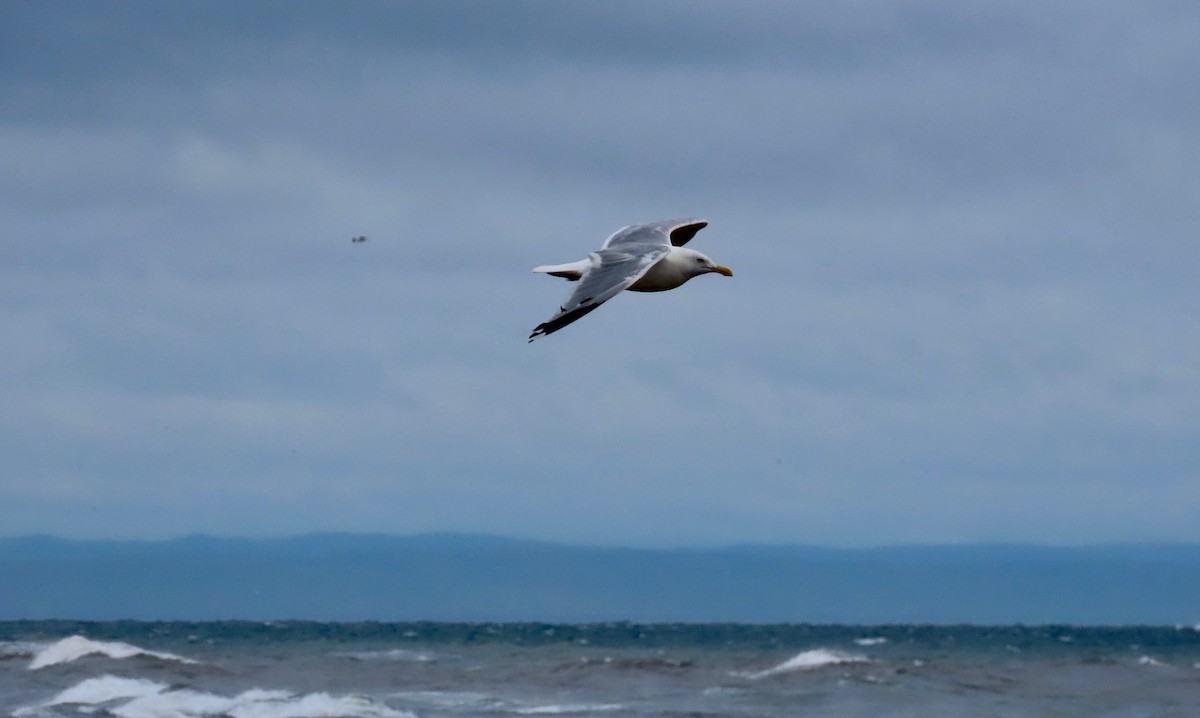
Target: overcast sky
964, 236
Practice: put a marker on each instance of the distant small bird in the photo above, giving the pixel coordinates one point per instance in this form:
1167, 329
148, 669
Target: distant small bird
358, 239
640, 258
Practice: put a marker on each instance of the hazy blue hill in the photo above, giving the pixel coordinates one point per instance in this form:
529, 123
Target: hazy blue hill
482, 578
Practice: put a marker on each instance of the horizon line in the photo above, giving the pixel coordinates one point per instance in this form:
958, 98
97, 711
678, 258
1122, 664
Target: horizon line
576, 544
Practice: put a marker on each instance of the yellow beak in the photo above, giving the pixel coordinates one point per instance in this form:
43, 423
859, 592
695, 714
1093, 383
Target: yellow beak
721, 270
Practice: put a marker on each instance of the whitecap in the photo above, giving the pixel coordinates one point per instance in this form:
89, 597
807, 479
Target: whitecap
258, 694
175, 704
872, 641
568, 709
137, 698
312, 704
807, 661
446, 699
1150, 661
97, 691
76, 647
254, 704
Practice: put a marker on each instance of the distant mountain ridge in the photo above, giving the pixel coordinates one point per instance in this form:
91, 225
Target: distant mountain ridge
457, 577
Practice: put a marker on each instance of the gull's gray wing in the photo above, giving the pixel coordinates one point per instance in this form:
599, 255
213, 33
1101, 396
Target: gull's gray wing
611, 271
675, 231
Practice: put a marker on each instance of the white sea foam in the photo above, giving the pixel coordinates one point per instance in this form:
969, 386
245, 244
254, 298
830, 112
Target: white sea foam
76, 647
568, 709
446, 699
173, 704
1150, 661
135, 698
254, 704
807, 661
97, 691
873, 641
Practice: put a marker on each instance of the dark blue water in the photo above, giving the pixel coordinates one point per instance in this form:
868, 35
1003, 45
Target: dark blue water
322, 670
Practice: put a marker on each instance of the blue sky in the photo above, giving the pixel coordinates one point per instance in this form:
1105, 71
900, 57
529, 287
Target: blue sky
964, 307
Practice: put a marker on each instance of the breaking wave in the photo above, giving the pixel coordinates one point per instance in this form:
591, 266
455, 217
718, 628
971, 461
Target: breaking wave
807, 661
568, 709
137, 698
76, 647
96, 692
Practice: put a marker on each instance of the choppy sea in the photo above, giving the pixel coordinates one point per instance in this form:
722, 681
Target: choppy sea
435, 670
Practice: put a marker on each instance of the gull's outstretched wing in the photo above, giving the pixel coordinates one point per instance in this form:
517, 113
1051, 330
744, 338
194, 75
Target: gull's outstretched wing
676, 231
611, 271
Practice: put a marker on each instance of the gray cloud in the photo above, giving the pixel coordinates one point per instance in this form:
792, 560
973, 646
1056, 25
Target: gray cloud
964, 306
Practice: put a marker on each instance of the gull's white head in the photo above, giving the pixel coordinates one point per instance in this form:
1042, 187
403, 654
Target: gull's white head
701, 264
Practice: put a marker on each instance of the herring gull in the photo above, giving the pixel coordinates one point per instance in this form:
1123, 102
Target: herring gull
641, 258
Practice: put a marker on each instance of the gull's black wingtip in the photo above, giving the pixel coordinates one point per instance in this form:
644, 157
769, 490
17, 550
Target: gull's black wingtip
542, 330
560, 321
685, 230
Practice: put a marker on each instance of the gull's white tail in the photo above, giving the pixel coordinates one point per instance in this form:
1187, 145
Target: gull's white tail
571, 271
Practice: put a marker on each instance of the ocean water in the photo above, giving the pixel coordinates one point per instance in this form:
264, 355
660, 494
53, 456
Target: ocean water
432, 670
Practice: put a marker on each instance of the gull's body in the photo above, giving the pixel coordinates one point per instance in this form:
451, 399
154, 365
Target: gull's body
640, 258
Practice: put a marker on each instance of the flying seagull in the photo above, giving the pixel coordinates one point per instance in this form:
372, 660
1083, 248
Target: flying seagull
359, 239
640, 258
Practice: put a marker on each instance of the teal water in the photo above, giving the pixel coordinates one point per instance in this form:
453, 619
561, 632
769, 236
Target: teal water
397, 670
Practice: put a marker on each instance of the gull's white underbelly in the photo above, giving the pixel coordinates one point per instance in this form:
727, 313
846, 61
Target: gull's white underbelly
668, 273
